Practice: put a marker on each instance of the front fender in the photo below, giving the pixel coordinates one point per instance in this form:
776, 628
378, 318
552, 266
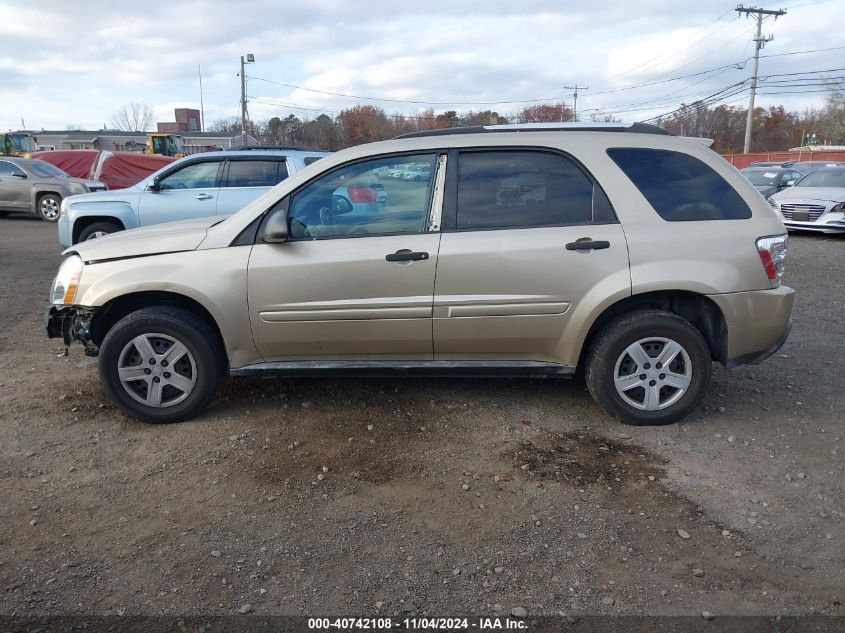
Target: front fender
39, 188
121, 210
216, 279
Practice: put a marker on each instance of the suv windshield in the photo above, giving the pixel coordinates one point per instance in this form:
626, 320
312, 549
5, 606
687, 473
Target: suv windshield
42, 168
824, 178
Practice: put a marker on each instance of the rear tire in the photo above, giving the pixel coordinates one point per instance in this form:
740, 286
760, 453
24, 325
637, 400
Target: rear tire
161, 364
627, 379
48, 207
98, 229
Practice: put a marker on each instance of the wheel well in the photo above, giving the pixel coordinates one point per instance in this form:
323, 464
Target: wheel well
106, 316
82, 223
41, 194
700, 311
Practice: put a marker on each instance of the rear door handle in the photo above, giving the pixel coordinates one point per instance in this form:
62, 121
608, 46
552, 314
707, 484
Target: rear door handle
203, 196
406, 256
586, 244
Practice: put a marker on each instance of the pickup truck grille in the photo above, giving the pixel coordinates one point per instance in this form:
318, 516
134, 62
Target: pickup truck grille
802, 212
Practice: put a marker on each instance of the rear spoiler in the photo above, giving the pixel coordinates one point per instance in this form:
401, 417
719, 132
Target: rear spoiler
707, 142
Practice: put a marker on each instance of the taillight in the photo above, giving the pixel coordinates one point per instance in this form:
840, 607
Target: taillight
772, 252
361, 194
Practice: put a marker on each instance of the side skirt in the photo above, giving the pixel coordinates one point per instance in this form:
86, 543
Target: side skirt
388, 368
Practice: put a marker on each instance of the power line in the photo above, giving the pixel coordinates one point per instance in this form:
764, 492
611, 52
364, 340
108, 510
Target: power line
719, 95
391, 100
815, 50
639, 69
739, 65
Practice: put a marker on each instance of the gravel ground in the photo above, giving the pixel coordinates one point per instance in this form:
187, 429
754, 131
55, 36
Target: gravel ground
395, 497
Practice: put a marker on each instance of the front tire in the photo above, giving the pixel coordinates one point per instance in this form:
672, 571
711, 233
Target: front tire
98, 229
161, 364
48, 207
649, 368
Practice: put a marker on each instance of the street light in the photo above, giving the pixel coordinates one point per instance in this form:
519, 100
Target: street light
250, 59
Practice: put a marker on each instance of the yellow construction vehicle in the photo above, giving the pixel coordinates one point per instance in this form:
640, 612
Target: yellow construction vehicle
164, 144
16, 144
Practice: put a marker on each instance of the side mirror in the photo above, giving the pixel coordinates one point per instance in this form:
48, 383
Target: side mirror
789, 183
155, 186
19, 174
276, 228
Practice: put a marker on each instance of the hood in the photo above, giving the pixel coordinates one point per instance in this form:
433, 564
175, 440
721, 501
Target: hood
825, 194
170, 237
766, 190
95, 184
112, 195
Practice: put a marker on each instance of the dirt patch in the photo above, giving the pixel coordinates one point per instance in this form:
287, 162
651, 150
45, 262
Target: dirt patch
581, 459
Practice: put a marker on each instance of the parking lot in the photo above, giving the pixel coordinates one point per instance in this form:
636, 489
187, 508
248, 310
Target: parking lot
375, 496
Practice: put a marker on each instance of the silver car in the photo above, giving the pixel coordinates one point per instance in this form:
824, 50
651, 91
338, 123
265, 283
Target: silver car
816, 203
35, 186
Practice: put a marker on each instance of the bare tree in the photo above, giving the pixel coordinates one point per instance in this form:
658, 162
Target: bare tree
229, 126
133, 117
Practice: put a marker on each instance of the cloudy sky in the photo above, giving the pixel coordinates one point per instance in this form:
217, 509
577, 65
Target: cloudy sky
75, 63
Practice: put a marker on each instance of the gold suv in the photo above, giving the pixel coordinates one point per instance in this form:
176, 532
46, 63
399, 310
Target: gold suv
636, 256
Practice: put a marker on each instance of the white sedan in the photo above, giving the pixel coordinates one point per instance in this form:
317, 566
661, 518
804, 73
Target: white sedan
816, 203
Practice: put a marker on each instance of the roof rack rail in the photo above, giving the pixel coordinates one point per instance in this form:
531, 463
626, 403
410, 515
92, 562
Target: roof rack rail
301, 148
637, 128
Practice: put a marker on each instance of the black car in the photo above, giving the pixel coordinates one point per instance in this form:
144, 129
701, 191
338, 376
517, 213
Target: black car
770, 180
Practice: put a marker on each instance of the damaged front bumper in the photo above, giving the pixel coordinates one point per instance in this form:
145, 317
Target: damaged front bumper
72, 323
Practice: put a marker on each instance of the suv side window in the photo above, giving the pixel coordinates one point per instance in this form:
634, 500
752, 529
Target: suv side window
352, 202
7, 168
680, 187
255, 173
521, 188
194, 176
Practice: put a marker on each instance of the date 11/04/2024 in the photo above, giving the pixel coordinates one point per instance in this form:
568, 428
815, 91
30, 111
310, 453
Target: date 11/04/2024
437, 624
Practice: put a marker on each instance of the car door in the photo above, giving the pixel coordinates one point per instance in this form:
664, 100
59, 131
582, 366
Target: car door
15, 188
355, 279
528, 237
245, 178
187, 191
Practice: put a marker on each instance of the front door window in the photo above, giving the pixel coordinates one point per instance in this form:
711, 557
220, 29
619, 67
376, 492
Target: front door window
193, 176
359, 199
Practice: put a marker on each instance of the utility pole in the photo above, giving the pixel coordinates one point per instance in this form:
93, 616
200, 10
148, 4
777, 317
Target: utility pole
575, 90
202, 107
250, 58
760, 42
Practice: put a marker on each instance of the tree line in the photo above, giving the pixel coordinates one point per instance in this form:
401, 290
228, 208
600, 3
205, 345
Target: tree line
774, 129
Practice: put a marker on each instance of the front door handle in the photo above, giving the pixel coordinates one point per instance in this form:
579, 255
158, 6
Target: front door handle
203, 196
586, 244
406, 256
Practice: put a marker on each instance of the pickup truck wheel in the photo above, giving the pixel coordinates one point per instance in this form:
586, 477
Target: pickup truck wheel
48, 207
649, 368
161, 364
98, 229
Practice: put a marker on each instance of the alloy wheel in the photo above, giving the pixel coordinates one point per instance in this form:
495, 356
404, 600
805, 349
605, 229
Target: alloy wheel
157, 370
49, 208
652, 373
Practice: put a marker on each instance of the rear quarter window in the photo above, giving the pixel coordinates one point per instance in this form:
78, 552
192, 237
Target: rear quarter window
680, 187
